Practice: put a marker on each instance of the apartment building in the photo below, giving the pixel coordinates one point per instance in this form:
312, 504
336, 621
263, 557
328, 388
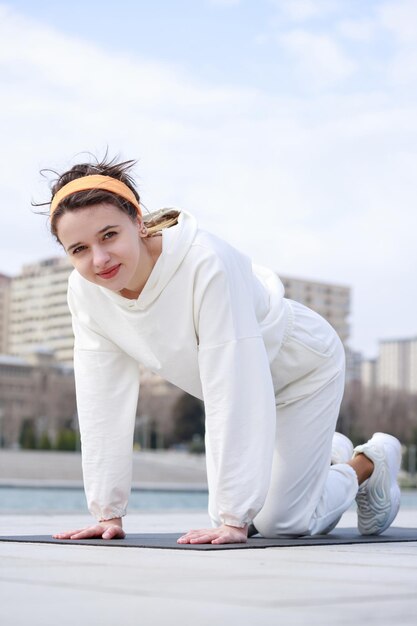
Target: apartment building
369, 370
37, 389
39, 314
39, 323
397, 364
40, 390
353, 365
5, 282
332, 301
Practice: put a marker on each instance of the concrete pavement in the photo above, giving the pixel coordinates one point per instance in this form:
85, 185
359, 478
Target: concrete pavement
48, 585
165, 467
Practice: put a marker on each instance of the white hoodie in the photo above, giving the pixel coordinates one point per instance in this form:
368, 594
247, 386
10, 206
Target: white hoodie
211, 323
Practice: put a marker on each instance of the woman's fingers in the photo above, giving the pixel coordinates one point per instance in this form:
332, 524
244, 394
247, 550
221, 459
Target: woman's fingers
89, 533
114, 532
203, 538
222, 534
66, 535
98, 531
199, 536
192, 533
188, 536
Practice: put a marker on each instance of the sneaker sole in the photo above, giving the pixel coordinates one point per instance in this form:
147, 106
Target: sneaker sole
375, 525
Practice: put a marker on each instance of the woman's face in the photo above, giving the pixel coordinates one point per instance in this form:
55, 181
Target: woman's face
105, 247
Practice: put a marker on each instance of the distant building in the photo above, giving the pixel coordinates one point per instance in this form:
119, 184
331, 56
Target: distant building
39, 314
353, 365
37, 381
157, 398
397, 364
5, 282
38, 390
369, 373
331, 301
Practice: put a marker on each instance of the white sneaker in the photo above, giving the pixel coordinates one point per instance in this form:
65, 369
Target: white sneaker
342, 449
378, 498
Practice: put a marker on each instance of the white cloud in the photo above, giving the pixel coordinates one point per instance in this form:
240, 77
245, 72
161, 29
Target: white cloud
298, 10
362, 30
400, 17
319, 58
322, 188
304, 10
225, 2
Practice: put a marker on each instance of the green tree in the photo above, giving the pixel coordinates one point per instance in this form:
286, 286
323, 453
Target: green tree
66, 440
44, 442
188, 416
28, 438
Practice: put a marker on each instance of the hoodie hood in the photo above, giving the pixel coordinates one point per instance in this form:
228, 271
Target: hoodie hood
176, 242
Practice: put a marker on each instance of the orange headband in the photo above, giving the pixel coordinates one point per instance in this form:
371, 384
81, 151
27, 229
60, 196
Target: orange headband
95, 181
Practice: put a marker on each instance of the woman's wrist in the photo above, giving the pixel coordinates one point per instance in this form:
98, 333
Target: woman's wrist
115, 521
234, 524
243, 529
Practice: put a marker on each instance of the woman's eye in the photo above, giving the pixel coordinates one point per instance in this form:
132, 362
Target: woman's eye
78, 250
110, 234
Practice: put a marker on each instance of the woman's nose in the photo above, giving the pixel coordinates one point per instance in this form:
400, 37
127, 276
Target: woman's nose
100, 257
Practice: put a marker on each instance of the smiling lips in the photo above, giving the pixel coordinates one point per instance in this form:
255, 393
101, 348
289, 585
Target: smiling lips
110, 273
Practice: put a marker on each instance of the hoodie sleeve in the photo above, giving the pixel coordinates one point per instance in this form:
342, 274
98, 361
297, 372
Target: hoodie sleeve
107, 388
237, 389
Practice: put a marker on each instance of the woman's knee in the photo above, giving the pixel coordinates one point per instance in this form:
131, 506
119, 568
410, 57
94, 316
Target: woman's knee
282, 525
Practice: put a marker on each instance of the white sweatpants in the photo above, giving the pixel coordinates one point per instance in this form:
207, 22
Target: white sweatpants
307, 495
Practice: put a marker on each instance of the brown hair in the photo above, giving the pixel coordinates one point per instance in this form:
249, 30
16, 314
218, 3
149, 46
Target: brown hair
154, 222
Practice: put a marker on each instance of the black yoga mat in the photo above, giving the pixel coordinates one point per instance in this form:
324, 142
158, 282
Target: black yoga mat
169, 540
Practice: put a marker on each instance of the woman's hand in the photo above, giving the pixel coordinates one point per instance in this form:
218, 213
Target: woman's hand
222, 534
110, 529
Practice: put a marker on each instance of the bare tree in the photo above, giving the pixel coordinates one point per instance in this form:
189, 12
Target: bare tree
367, 410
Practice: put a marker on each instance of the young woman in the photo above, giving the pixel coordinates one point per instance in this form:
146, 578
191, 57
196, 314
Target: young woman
159, 291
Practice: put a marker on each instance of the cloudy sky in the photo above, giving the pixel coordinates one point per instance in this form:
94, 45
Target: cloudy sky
286, 126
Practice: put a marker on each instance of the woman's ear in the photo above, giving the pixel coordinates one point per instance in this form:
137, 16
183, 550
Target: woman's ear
143, 231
